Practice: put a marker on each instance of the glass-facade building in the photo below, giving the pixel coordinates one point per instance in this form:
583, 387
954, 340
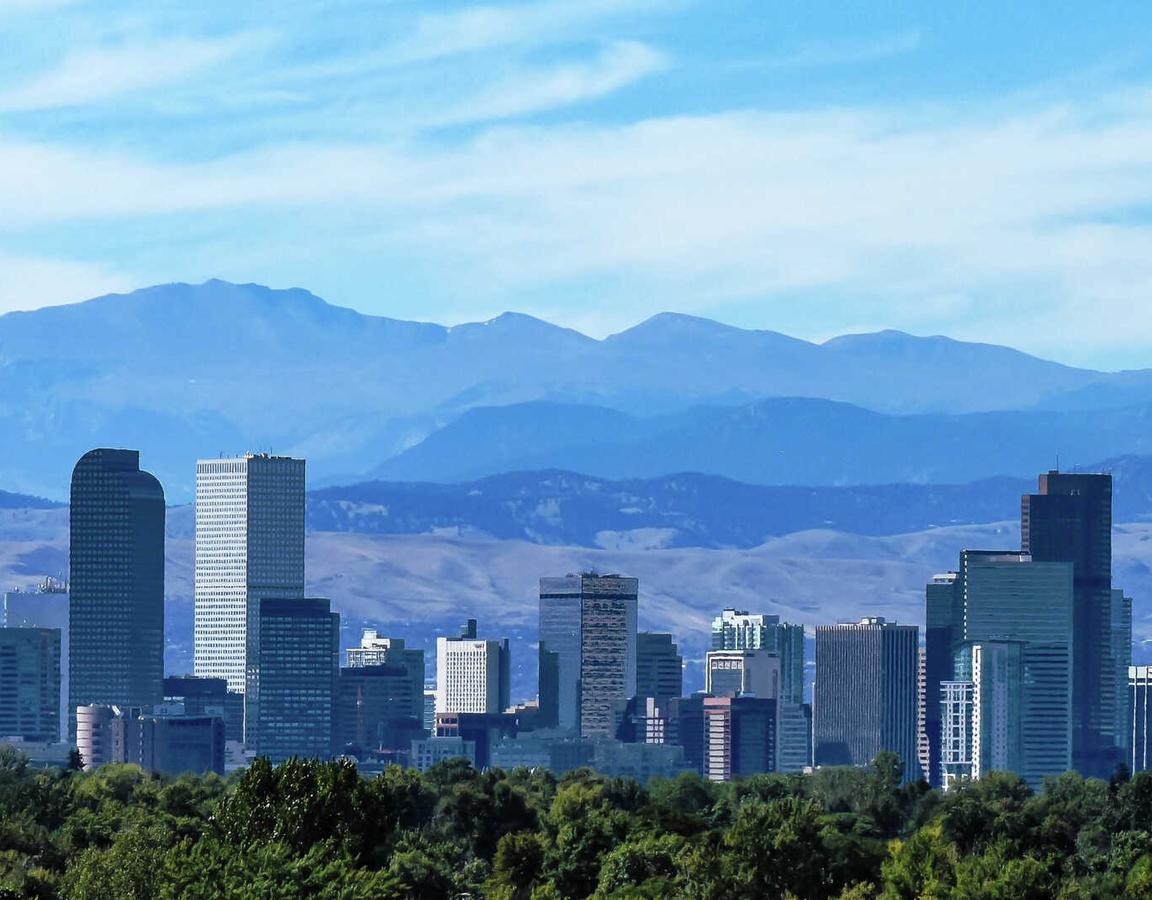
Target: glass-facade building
249, 544
589, 622
30, 683
116, 575
864, 699
292, 665
1070, 520
659, 667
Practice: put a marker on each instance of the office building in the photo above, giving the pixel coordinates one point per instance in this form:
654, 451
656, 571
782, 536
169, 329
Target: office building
374, 709
44, 607
1121, 616
207, 697
481, 730
1070, 520
169, 745
729, 673
427, 752
472, 676
659, 667
737, 629
640, 762
375, 650
727, 737
116, 603
30, 683
943, 610
1140, 717
864, 698
249, 545
793, 737
293, 656
556, 750
1007, 597
589, 622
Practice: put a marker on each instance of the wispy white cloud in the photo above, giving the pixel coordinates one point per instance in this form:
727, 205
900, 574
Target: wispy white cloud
89, 76
843, 52
540, 88
475, 28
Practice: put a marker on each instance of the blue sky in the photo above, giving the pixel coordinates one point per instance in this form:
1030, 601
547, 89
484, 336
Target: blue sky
978, 169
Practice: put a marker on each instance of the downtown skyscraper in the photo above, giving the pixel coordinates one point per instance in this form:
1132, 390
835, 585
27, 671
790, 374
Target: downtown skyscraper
588, 622
249, 545
116, 605
864, 699
1012, 657
1070, 520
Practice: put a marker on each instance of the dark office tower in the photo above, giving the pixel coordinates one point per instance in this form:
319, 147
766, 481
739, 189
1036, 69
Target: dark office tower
864, 700
549, 687
942, 631
116, 607
373, 703
589, 622
659, 668
1070, 520
1122, 661
292, 664
30, 683
208, 697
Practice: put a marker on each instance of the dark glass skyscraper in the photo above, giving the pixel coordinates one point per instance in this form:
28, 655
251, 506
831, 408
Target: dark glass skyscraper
589, 622
1070, 520
116, 607
292, 665
659, 667
942, 628
864, 700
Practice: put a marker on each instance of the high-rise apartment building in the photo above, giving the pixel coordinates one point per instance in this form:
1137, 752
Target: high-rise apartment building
659, 667
983, 708
1070, 520
292, 664
864, 699
116, 564
30, 683
472, 676
737, 629
589, 622
249, 545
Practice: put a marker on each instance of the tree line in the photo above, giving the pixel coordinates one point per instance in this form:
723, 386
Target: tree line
311, 829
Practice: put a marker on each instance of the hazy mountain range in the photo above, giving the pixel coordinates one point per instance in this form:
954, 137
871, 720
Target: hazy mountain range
182, 371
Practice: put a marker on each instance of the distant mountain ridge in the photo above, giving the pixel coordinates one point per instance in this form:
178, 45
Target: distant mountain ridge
780, 441
182, 371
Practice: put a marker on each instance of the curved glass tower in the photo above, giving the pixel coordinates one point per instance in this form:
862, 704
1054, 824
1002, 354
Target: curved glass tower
116, 562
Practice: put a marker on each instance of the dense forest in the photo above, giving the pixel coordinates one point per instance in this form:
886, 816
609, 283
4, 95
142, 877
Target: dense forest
318, 829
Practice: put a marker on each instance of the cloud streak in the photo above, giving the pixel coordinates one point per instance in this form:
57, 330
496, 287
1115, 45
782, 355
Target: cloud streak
92, 76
